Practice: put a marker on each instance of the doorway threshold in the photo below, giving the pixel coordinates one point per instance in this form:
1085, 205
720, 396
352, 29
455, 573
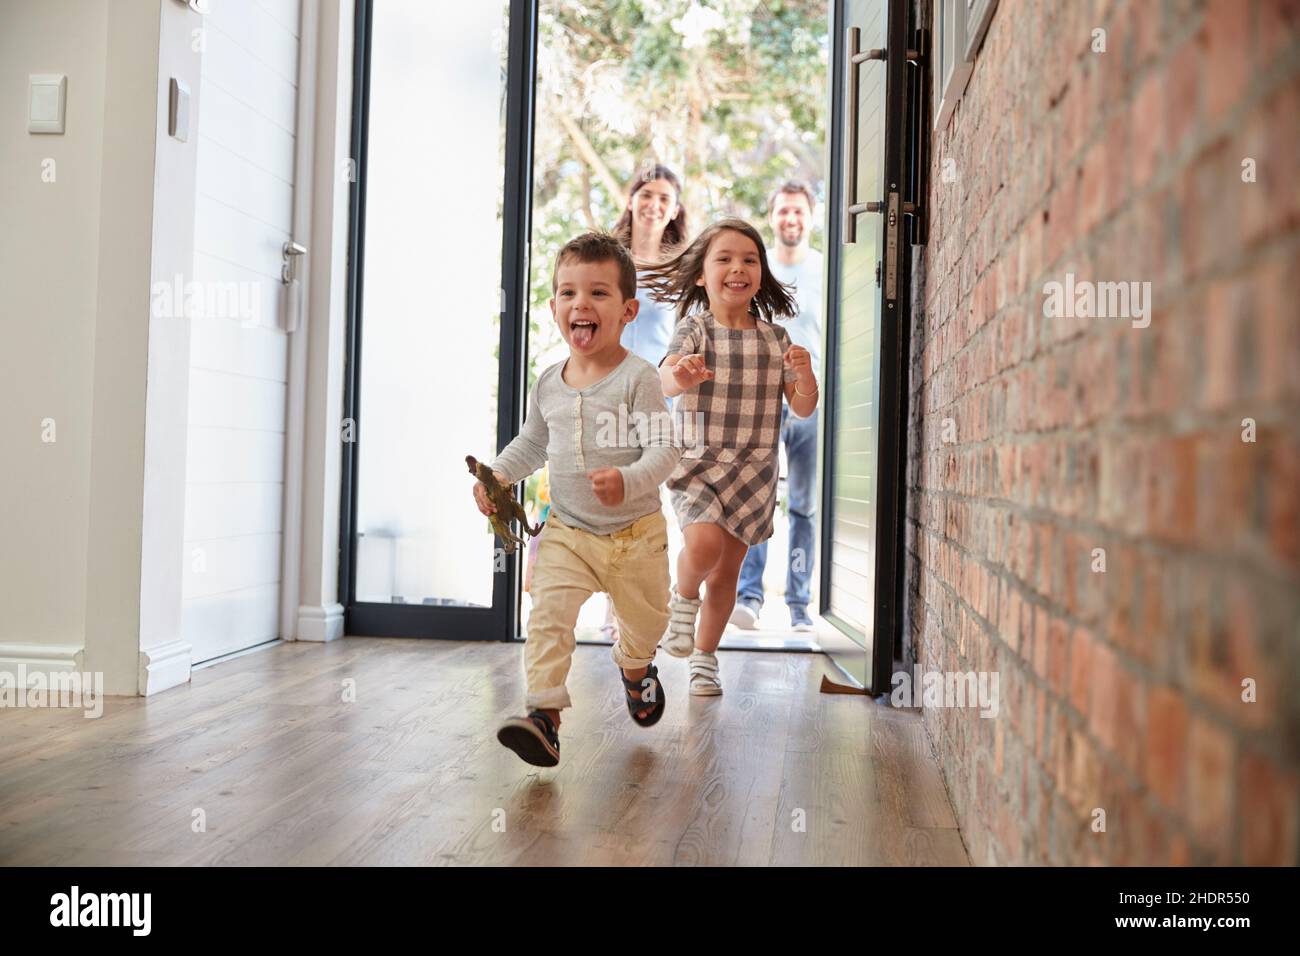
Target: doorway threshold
239, 653
734, 639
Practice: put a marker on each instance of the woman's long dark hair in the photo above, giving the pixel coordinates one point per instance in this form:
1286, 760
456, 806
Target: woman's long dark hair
675, 231
674, 280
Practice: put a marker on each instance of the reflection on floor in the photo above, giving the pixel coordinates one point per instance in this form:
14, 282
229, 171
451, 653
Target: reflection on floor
772, 632
382, 751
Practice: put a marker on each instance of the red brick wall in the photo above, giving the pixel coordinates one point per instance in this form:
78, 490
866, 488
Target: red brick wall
1120, 690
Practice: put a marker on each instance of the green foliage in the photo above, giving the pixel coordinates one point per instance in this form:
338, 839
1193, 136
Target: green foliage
730, 94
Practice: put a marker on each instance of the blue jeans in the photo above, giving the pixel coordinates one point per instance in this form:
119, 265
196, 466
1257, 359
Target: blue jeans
799, 435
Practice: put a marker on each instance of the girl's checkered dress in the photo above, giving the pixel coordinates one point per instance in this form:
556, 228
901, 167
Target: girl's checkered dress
727, 475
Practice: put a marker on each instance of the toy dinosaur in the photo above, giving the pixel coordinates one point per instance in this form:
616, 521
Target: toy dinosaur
507, 509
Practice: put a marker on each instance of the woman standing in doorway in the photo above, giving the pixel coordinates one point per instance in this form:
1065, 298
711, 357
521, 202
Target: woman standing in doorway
653, 227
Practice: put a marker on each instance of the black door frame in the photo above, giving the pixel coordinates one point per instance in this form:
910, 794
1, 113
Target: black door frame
501, 621
895, 318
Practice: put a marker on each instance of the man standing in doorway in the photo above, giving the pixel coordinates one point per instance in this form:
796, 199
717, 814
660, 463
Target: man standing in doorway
793, 261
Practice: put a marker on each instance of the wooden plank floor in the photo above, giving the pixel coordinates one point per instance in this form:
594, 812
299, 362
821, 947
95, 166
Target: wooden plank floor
264, 750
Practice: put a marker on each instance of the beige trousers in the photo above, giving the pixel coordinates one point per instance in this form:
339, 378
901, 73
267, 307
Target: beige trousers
631, 566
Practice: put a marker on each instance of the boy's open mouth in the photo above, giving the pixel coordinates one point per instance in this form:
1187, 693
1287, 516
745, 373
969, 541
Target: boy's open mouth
582, 331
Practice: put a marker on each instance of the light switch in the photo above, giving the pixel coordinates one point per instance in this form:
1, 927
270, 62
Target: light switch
46, 105
178, 123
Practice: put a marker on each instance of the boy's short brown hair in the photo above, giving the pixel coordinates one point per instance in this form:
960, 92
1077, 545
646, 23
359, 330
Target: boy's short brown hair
595, 247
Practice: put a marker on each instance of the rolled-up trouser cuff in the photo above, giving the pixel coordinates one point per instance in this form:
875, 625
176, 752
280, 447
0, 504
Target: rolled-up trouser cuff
626, 661
552, 698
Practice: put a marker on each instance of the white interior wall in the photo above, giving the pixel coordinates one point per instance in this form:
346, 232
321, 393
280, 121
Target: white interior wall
49, 265
93, 546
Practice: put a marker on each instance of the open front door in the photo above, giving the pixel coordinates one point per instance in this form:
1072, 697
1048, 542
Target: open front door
870, 193
443, 140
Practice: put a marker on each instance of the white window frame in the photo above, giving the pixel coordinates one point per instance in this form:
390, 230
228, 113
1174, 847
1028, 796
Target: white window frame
979, 13
958, 31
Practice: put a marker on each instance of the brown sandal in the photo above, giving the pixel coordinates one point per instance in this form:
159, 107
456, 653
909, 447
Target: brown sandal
639, 688
534, 738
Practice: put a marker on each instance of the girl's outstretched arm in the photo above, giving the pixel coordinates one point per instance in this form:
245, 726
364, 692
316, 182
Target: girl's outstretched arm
801, 405
681, 372
666, 377
802, 392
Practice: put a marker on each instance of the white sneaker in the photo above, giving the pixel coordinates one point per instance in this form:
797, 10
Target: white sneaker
705, 681
679, 639
744, 616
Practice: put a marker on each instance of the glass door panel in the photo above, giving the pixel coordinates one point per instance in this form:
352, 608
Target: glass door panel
432, 371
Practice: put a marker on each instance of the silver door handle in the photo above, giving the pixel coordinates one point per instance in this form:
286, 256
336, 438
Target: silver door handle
853, 208
291, 251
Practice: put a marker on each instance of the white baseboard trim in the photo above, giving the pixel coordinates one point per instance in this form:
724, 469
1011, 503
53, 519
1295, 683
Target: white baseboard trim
42, 658
323, 623
166, 665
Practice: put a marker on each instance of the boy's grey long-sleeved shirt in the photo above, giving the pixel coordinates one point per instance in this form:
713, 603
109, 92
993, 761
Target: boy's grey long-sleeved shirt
621, 421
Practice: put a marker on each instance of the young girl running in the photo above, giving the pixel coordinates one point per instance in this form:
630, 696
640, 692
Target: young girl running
731, 364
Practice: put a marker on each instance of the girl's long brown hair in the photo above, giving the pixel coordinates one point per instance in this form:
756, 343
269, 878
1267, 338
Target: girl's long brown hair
675, 231
674, 280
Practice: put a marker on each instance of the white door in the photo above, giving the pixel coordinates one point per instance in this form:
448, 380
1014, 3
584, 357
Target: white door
239, 349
